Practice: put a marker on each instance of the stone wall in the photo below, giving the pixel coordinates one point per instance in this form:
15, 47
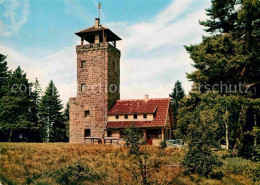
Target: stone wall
97, 75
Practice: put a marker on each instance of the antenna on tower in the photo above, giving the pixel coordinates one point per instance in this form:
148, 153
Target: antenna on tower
99, 6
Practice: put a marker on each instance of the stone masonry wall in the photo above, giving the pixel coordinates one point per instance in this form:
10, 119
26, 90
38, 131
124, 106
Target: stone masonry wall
97, 76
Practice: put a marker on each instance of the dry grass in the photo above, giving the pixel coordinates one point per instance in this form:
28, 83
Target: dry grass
33, 163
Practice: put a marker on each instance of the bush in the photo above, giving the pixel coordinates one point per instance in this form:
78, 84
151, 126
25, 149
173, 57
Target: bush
76, 174
235, 166
133, 139
200, 159
162, 147
242, 166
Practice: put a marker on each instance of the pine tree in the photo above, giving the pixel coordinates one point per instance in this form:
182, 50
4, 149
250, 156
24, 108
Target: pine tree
53, 126
3, 72
241, 20
36, 91
15, 107
223, 16
66, 115
176, 95
231, 57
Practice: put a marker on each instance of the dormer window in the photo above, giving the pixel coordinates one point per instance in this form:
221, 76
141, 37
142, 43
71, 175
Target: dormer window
117, 116
126, 116
135, 116
145, 116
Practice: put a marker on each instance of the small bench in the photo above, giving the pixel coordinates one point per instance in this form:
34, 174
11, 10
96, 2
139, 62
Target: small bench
93, 139
110, 140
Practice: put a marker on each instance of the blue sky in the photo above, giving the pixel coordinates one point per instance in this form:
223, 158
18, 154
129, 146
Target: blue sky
39, 36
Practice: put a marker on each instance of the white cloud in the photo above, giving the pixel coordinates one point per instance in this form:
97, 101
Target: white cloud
150, 72
153, 56
13, 17
59, 67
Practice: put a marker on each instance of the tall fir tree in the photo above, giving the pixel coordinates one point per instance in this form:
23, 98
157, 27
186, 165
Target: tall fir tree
36, 97
3, 72
176, 95
50, 112
66, 115
15, 107
3, 77
230, 56
223, 16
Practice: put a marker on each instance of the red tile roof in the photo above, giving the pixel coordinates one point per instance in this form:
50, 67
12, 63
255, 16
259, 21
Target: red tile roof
161, 105
133, 107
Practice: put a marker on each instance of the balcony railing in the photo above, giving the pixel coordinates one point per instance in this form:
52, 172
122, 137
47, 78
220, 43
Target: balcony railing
93, 46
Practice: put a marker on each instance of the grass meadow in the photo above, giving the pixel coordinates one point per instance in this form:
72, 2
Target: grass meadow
65, 163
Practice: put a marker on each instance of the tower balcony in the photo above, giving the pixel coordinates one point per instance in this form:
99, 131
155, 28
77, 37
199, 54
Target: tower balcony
87, 47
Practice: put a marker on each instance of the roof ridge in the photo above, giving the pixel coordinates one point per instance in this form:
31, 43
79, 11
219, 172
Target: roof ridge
85, 29
93, 27
144, 99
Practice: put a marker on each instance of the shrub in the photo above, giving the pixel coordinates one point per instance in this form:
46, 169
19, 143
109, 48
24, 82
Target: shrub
235, 166
76, 174
163, 146
200, 159
242, 166
133, 138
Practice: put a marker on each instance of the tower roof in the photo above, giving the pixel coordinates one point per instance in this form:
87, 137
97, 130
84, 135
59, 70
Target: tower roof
88, 34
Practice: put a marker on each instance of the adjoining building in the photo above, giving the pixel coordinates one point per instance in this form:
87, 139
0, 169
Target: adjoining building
97, 110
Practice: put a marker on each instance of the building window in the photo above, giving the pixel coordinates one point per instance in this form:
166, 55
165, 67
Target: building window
135, 116
83, 64
145, 116
87, 133
117, 116
109, 133
83, 87
126, 116
114, 66
86, 113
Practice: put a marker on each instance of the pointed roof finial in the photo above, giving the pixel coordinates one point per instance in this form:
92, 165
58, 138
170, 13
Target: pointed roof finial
99, 7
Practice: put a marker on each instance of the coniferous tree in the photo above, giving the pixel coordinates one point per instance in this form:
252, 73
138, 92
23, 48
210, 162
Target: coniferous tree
66, 115
229, 58
50, 112
3, 77
241, 20
176, 95
36, 91
15, 107
223, 16
3, 72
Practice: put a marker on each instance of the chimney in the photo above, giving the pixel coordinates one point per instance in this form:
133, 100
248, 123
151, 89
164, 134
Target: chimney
97, 22
146, 97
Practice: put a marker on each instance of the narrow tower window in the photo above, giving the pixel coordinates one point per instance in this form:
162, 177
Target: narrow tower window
114, 66
83, 87
87, 133
83, 64
86, 113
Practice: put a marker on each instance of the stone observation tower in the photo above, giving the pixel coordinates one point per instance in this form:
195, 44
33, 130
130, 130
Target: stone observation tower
98, 80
